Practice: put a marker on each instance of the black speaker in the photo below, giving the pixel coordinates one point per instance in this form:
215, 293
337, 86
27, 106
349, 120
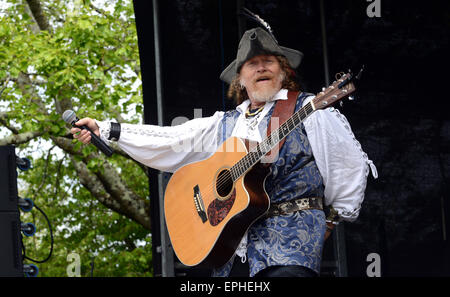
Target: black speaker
11, 263
10, 245
8, 179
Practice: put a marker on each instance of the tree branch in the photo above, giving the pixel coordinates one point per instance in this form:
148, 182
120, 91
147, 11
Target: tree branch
137, 208
114, 146
98, 10
106, 185
23, 81
38, 14
91, 182
44, 176
20, 138
4, 120
5, 82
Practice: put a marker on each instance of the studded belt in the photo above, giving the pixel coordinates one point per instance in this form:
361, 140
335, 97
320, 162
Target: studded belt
291, 206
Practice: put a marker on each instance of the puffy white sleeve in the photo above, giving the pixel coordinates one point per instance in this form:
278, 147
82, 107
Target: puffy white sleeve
343, 164
170, 147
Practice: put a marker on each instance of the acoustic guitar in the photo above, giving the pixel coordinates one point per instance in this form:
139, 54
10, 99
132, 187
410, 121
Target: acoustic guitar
210, 204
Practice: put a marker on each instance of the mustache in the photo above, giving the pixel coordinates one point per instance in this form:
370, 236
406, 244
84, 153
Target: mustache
263, 77
242, 82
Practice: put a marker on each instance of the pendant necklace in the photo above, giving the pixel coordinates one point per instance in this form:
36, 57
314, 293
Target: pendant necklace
253, 112
251, 117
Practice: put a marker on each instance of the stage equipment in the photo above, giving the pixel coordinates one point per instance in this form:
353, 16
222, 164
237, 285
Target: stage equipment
10, 225
11, 247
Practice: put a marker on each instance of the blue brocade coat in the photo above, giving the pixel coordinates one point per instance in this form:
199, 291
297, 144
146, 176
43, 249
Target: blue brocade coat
296, 238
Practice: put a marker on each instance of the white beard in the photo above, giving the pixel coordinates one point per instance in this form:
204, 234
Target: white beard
266, 94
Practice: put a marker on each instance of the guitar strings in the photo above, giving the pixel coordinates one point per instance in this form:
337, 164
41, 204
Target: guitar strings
222, 180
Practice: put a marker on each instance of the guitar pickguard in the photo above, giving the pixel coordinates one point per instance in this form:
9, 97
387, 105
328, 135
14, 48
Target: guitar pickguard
219, 209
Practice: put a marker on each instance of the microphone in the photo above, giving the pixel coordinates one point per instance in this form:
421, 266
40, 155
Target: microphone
70, 117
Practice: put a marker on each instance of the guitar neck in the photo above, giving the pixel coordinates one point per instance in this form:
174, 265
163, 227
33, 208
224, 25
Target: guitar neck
341, 88
261, 149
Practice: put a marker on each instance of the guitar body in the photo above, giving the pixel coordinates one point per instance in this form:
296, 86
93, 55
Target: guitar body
207, 214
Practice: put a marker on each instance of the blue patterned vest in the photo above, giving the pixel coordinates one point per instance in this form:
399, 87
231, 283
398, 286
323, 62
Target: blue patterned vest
296, 238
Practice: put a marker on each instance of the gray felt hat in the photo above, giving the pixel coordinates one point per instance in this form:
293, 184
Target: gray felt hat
258, 41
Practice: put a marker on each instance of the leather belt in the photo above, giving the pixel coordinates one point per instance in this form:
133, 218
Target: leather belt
291, 206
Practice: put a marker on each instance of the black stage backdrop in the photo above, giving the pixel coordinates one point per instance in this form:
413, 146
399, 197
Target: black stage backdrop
399, 117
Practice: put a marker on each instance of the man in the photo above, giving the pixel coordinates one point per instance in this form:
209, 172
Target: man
320, 162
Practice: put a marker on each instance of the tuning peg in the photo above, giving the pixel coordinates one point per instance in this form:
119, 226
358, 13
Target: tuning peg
351, 98
341, 103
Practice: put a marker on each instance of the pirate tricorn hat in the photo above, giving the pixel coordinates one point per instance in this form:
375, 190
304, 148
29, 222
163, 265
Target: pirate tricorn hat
259, 41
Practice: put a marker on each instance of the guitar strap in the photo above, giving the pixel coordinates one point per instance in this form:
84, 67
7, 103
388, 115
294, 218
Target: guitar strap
283, 110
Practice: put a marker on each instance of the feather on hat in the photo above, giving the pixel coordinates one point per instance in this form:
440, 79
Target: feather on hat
258, 41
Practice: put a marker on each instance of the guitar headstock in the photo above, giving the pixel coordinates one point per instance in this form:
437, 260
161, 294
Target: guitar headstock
339, 89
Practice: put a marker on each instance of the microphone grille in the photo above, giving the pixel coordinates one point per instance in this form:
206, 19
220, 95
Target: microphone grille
69, 116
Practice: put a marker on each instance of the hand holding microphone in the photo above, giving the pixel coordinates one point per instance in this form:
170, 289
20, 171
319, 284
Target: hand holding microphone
86, 131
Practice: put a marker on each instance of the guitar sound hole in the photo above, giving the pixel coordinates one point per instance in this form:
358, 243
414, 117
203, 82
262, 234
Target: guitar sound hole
224, 183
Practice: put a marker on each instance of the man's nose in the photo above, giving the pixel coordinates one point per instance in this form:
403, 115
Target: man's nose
261, 67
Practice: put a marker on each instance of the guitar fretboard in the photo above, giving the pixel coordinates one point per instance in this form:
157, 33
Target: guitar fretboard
260, 150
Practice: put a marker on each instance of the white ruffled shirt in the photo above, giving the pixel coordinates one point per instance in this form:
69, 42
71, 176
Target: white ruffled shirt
340, 159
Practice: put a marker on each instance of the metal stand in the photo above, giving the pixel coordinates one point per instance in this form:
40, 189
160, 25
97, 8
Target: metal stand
167, 260
337, 265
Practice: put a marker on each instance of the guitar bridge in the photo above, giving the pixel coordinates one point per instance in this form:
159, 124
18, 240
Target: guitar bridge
199, 206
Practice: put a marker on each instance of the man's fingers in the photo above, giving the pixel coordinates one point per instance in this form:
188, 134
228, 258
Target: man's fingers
83, 121
75, 131
89, 123
87, 140
85, 137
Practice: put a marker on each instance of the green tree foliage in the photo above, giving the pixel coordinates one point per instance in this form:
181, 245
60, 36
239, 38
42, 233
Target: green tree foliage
80, 55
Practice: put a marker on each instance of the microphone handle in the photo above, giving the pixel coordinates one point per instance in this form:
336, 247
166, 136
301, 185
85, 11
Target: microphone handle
100, 144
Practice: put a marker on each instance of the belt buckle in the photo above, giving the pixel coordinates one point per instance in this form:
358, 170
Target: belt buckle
302, 203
